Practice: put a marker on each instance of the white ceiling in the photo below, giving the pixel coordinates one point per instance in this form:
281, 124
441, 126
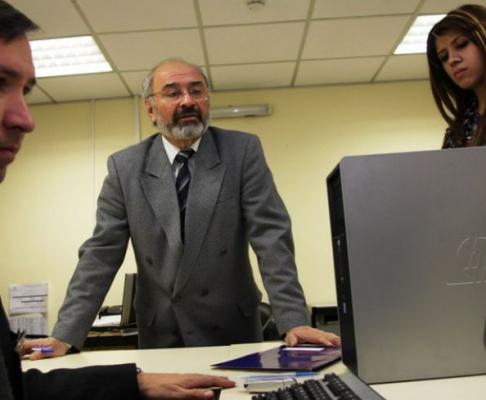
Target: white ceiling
289, 43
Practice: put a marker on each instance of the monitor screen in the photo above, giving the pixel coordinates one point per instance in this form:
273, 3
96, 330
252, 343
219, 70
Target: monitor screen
128, 316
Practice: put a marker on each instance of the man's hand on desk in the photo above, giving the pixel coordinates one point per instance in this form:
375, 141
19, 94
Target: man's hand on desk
50, 346
180, 386
306, 334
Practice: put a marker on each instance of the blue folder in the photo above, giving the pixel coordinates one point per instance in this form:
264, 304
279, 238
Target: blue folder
283, 358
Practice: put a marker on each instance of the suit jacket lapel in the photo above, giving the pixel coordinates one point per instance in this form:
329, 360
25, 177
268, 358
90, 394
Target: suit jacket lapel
203, 195
159, 188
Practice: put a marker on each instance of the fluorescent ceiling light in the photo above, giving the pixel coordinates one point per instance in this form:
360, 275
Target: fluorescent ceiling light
415, 41
68, 56
241, 111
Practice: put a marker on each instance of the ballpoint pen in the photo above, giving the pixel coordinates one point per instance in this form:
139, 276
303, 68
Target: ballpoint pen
43, 350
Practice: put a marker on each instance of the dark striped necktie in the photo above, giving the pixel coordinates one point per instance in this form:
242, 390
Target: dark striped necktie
183, 178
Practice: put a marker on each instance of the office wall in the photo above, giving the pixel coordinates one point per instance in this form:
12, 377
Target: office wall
47, 201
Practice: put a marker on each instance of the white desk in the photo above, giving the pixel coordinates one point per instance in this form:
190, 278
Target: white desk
199, 360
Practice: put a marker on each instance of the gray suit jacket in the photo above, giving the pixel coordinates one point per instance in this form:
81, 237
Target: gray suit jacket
203, 292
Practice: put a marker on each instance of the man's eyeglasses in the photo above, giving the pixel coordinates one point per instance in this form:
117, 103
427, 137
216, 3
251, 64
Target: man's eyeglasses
176, 95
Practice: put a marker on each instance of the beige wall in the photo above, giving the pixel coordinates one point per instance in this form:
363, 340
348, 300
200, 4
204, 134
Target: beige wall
48, 198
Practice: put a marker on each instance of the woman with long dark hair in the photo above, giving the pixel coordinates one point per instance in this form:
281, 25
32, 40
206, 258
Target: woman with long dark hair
456, 53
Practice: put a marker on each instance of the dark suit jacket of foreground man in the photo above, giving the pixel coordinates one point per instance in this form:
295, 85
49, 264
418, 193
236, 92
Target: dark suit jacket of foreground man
94, 383
201, 293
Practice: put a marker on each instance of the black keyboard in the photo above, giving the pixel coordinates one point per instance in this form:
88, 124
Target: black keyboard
332, 387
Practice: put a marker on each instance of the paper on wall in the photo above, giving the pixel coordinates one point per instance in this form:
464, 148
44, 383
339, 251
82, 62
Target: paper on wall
32, 324
28, 298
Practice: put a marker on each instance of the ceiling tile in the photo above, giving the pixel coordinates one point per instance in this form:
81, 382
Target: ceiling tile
326, 72
134, 80
217, 12
131, 15
404, 67
143, 50
355, 8
47, 14
37, 96
256, 43
252, 76
84, 87
353, 37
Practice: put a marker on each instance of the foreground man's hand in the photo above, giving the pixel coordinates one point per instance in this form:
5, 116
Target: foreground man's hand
60, 348
180, 386
306, 334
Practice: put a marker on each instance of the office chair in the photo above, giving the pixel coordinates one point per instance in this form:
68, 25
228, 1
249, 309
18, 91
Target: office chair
269, 327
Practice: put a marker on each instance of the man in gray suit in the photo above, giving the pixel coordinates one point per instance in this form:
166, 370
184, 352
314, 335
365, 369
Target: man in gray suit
195, 285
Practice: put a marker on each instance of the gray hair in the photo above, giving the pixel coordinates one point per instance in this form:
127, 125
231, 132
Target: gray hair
148, 81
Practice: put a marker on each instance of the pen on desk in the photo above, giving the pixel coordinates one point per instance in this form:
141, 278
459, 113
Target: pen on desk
43, 350
276, 376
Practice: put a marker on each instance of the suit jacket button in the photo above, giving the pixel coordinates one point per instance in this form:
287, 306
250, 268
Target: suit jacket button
176, 298
149, 260
204, 292
222, 252
215, 327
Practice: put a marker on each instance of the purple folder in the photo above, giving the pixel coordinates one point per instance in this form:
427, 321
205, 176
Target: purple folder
283, 358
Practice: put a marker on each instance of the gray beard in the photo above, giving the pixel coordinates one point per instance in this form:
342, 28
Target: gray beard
187, 131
